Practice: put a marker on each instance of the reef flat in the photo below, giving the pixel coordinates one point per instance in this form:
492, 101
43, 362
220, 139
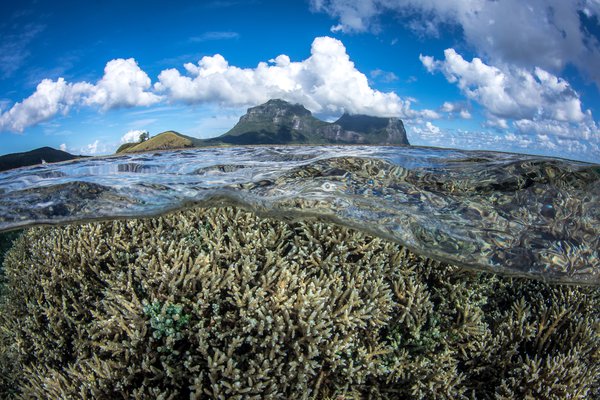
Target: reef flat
221, 303
506, 213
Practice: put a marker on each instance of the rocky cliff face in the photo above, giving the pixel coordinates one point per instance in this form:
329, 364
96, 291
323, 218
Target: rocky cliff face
366, 129
278, 121
276, 111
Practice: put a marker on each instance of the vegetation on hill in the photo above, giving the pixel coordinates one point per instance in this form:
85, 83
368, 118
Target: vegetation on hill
162, 141
125, 146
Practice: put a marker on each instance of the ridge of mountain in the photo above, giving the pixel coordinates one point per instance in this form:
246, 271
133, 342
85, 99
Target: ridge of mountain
280, 122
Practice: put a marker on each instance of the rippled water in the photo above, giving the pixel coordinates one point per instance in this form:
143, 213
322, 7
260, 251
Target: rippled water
509, 213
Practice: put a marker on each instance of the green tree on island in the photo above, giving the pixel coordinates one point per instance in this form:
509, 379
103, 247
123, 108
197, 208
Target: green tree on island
144, 136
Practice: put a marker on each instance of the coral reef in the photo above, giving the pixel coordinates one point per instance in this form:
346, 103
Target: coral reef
6, 241
219, 303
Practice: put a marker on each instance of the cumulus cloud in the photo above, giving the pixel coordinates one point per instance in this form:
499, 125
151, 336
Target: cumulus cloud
427, 131
92, 148
535, 103
545, 33
124, 84
327, 81
50, 98
549, 144
458, 108
494, 122
587, 130
510, 92
132, 136
97, 147
385, 76
63, 147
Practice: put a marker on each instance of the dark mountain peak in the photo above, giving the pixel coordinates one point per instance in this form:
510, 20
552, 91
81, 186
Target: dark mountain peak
47, 149
276, 109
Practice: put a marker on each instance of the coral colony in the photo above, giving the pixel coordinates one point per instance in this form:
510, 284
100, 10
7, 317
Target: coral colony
219, 303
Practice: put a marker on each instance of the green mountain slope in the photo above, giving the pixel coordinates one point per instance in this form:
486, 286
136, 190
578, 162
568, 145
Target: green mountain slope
162, 141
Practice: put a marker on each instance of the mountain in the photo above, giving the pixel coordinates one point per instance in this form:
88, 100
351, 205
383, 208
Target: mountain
372, 130
280, 122
37, 156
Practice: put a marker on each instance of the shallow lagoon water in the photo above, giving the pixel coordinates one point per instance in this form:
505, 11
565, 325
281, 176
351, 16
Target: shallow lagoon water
507, 213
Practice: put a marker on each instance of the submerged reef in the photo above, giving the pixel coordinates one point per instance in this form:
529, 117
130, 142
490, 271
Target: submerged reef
6, 241
219, 303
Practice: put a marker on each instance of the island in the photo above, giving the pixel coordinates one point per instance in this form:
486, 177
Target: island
283, 123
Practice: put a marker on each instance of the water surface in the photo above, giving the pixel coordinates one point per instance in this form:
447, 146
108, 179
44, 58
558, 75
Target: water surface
508, 213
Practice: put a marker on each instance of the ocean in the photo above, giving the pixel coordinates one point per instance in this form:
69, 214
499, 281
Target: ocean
302, 272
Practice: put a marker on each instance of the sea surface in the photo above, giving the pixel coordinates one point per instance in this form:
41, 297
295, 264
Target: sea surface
508, 213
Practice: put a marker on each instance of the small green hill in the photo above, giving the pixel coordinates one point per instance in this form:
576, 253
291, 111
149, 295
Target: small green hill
126, 146
163, 141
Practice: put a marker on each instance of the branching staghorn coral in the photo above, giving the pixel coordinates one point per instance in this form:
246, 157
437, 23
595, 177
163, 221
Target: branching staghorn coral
219, 303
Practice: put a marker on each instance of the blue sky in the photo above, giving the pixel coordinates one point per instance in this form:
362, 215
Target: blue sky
519, 76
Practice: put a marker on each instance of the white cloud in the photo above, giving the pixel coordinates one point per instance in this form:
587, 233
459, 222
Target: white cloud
536, 103
426, 130
92, 148
464, 114
49, 99
327, 81
97, 147
545, 141
518, 140
132, 136
456, 108
587, 130
385, 76
447, 107
510, 92
494, 122
355, 16
63, 147
544, 33
124, 84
